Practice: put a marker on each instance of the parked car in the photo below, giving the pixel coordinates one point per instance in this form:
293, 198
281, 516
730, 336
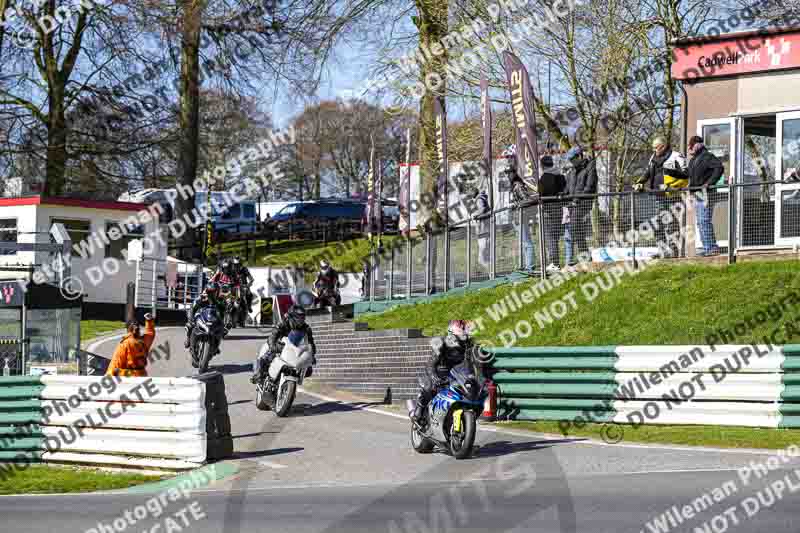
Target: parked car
302, 216
391, 218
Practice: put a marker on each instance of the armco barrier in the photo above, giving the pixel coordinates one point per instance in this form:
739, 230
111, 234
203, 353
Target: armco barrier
741, 385
57, 418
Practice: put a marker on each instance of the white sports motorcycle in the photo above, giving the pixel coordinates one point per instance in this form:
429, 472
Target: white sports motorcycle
287, 370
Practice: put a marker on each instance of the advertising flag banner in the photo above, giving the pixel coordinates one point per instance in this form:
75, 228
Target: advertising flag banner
519, 85
441, 152
486, 122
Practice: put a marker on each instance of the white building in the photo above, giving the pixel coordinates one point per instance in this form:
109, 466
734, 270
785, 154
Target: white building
98, 261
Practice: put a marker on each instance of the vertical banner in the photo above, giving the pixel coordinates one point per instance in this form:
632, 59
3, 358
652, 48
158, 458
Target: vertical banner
486, 121
378, 196
519, 85
441, 151
404, 194
370, 210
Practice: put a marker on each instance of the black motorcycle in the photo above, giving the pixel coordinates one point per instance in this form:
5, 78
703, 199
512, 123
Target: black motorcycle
206, 337
327, 298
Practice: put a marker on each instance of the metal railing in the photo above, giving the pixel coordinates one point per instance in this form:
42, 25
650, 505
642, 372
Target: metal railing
154, 289
558, 232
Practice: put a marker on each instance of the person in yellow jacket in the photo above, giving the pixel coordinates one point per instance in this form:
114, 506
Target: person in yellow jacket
130, 357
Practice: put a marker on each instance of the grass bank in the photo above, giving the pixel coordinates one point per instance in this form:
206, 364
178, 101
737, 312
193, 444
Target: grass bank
712, 436
41, 479
95, 328
663, 304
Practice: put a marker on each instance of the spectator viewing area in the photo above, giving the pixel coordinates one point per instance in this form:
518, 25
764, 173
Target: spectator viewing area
742, 96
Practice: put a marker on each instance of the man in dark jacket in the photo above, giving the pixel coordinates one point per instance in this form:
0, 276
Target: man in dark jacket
704, 171
551, 185
581, 180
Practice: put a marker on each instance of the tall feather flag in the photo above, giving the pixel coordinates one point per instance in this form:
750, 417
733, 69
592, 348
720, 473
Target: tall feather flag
370, 209
440, 117
519, 85
403, 199
486, 121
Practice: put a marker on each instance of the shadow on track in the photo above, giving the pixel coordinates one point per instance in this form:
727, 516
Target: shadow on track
233, 368
337, 407
265, 453
504, 447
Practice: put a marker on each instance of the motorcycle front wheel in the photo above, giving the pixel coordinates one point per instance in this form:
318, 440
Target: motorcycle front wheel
204, 349
420, 443
285, 397
461, 442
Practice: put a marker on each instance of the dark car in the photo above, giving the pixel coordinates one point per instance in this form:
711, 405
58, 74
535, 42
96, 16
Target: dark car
306, 215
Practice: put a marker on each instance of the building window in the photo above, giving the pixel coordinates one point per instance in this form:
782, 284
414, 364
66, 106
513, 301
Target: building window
8, 233
78, 230
123, 236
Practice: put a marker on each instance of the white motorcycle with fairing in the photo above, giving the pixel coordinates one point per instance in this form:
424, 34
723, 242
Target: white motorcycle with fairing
286, 372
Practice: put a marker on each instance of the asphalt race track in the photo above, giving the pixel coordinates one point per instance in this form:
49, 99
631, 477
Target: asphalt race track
334, 466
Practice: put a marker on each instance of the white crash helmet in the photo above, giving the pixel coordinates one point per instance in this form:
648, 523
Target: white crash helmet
324, 266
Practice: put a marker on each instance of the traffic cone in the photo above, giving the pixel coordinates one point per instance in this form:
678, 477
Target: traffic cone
490, 405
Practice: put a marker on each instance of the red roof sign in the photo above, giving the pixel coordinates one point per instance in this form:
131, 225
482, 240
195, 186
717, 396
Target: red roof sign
737, 54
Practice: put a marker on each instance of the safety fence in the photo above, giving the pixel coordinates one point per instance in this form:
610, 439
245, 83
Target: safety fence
164, 423
731, 385
556, 232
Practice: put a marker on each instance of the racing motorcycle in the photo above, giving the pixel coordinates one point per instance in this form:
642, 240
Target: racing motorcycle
286, 372
232, 300
326, 298
450, 418
206, 337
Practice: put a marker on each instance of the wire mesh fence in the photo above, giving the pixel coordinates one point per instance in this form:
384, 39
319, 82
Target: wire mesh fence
558, 232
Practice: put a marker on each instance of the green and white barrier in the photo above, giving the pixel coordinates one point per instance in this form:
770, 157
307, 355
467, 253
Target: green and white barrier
736, 385
142, 422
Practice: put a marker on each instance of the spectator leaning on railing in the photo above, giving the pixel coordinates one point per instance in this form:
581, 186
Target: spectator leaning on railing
581, 180
665, 170
551, 185
704, 171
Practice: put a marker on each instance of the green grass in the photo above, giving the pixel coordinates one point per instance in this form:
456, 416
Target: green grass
663, 304
52, 479
713, 436
95, 328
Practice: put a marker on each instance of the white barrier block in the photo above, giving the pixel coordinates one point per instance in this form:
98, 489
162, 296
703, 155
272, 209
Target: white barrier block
700, 413
141, 443
170, 390
189, 417
679, 358
701, 386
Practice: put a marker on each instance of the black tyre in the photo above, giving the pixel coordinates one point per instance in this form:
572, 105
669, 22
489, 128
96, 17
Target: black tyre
204, 348
284, 398
461, 442
419, 442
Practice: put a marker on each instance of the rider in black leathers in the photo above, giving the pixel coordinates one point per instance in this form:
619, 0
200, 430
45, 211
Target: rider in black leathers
327, 278
448, 352
244, 278
295, 320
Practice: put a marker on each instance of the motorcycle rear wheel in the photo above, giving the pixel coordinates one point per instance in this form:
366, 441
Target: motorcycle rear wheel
461, 444
420, 443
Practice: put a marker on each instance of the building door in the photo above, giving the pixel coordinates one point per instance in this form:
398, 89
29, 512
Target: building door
719, 137
787, 195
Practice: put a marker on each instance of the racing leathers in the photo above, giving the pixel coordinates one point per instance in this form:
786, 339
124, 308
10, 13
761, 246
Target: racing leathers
286, 326
448, 353
329, 280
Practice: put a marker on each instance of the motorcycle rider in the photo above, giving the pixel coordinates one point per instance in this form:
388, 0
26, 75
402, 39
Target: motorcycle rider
224, 274
243, 278
209, 296
295, 319
327, 278
448, 352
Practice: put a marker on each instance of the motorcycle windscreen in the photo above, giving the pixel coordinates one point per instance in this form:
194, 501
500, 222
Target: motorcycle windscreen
208, 314
296, 338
